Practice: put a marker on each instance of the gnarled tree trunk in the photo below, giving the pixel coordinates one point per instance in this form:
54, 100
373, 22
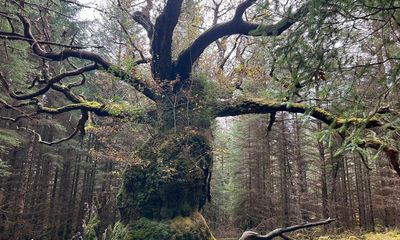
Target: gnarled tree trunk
162, 194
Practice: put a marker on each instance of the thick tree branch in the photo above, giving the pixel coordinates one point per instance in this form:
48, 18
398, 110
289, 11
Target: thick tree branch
263, 107
78, 102
100, 109
110, 109
161, 46
241, 8
235, 26
144, 20
249, 235
142, 17
86, 55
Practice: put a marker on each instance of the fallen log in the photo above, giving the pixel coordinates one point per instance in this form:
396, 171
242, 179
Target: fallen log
279, 232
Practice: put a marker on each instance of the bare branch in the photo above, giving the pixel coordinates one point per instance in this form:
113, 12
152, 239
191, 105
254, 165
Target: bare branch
67, 93
84, 6
16, 108
79, 103
225, 59
79, 128
132, 43
77, 84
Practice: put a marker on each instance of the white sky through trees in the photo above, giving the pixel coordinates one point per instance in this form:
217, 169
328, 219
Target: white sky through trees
87, 14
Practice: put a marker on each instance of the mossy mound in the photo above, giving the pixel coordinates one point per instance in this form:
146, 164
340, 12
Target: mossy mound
193, 227
171, 181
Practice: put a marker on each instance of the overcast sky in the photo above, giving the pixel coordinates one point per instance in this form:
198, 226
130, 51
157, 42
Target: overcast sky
89, 13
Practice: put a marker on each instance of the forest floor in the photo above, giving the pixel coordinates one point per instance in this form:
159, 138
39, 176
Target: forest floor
389, 235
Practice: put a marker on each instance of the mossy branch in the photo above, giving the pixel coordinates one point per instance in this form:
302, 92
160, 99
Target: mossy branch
260, 106
100, 109
121, 111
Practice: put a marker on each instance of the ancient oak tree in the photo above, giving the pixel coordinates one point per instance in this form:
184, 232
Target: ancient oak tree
160, 198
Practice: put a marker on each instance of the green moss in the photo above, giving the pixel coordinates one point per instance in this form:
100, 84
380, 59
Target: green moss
179, 228
89, 127
90, 105
166, 189
350, 120
204, 94
170, 180
148, 230
118, 109
192, 107
355, 120
324, 113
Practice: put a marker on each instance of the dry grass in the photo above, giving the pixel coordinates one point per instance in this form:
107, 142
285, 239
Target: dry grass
390, 235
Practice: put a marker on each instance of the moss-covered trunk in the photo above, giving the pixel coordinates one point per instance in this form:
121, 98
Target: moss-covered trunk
160, 197
162, 194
